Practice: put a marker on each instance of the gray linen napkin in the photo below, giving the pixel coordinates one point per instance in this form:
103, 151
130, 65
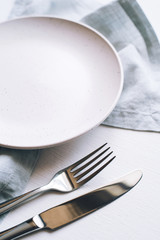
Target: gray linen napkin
127, 28
16, 167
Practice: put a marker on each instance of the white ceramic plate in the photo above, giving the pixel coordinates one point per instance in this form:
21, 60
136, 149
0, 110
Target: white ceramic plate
58, 79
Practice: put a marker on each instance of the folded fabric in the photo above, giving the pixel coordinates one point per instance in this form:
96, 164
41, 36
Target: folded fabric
16, 167
127, 28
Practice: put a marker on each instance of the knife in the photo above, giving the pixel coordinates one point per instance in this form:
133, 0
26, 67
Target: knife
70, 211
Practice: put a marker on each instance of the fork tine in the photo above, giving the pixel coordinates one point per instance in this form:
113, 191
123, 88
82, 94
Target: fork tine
88, 163
86, 157
93, 167
95, 173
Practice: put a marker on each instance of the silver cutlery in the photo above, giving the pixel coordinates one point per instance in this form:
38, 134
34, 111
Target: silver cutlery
68, 179
73, 210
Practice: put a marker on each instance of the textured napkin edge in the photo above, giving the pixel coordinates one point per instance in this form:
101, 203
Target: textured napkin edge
132, 121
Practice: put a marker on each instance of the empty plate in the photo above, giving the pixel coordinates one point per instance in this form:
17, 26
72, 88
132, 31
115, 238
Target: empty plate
59, 79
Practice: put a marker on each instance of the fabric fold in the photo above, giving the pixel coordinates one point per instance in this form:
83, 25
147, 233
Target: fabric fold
16, 167
127, 28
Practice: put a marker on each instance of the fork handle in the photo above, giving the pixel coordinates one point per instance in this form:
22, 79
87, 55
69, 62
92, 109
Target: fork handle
14, 202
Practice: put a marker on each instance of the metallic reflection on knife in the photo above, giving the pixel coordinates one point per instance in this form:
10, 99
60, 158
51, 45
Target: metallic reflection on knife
70, 211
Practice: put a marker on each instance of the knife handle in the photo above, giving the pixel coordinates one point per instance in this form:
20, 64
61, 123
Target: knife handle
22, 229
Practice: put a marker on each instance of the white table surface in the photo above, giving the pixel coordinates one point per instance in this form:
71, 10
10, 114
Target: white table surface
136, 215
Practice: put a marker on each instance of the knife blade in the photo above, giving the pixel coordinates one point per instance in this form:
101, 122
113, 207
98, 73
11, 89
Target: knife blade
75, 209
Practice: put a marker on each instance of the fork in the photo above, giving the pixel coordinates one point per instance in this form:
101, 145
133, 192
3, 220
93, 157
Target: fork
67, 179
